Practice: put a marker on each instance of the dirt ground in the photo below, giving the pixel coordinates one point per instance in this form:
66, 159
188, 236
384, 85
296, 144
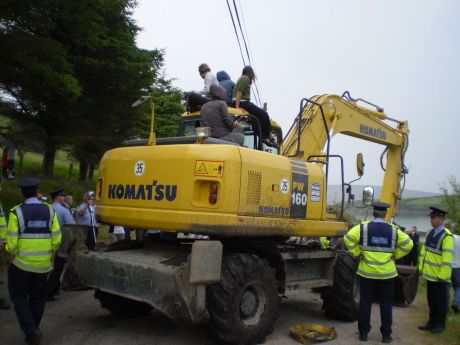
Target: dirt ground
77, 318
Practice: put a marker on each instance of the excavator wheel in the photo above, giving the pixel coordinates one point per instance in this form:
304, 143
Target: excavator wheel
243, 306
341, 301
120, 306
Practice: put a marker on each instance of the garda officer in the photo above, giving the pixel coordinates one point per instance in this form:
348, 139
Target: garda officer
436, 257
377, 244
32, 239
64, 217
3, 231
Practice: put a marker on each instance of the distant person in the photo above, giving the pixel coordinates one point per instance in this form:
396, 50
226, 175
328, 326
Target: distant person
64, 216
86, 215
214, 114
242, 99
68, 202
414, 253
228, 84
377, 244
33, 238
436, 257
197, 99
456, 270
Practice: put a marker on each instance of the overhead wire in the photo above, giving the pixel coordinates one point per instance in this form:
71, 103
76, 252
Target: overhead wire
236, 32
246, 43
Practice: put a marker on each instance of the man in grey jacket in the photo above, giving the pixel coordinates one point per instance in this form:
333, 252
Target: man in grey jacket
214, 114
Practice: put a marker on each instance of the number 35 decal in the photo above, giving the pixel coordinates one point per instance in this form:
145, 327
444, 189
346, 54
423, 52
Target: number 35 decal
139, 168
299, 199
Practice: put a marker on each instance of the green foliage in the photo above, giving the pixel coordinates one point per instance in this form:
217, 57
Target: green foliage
10, 194
69, 72
451, 191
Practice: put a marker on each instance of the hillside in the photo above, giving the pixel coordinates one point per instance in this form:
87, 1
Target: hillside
334, 194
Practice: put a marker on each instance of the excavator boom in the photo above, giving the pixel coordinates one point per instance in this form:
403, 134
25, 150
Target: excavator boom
321, 117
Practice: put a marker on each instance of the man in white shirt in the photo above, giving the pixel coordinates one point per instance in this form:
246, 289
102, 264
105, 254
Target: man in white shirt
456, 271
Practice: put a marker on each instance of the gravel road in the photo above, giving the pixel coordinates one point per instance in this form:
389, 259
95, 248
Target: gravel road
77, 318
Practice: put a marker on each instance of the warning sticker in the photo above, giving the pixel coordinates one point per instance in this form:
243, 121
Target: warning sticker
209, 168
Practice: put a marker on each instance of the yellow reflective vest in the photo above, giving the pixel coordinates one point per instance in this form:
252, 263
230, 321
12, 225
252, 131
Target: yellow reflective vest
33, 234
325, 242
3, 226
377, 244
437, 255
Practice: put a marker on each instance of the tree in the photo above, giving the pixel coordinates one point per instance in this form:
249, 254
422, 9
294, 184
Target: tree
37, 81
72, 68
451, 191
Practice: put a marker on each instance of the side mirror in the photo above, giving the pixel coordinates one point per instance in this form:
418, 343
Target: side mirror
368, 196
360, 164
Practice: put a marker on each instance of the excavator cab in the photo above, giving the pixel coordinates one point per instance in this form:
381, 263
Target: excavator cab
250, 124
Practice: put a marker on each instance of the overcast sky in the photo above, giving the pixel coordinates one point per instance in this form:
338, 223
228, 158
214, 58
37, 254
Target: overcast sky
402, 55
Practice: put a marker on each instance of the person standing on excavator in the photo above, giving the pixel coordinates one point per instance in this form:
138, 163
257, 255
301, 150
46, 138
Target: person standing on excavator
377, 244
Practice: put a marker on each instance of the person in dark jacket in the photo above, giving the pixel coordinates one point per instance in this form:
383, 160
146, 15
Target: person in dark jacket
214, 114
228, 84
414, 253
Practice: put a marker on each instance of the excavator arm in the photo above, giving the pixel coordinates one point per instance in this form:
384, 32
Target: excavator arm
321, 117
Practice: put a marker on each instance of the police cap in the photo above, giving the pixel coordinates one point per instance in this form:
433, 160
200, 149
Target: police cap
380, 206
57, 192
437, 212
29, 183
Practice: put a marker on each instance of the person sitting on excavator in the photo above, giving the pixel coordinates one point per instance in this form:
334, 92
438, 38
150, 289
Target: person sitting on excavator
214, 114
242, 99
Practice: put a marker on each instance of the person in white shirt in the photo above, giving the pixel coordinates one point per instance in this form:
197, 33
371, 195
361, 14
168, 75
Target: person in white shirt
455, 270
196, 99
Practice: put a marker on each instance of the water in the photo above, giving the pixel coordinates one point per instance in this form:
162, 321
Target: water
422, 223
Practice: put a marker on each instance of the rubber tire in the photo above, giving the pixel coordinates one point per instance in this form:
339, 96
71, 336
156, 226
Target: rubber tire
121, 306
223, 300
340, 301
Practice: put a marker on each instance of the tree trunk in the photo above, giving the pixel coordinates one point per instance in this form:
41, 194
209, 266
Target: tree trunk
91, 171
21, 162
48, 158
84, 171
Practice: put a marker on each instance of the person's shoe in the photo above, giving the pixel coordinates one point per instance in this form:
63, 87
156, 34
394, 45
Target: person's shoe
435, 330
455, 308
426, 327
34, 339
387, 339
362, 337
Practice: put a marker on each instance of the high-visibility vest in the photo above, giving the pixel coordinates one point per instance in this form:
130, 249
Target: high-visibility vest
3, 226
325, 242
33, 233
377, 244
437, 255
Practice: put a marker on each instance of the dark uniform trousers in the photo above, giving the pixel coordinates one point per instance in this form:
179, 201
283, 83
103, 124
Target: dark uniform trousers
28, 294
438, 301
370, 290
54, 279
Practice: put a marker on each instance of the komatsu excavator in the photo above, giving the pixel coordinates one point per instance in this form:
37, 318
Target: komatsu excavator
241, 205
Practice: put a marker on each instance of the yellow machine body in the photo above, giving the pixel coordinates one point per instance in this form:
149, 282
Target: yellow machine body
168, 187
227, 190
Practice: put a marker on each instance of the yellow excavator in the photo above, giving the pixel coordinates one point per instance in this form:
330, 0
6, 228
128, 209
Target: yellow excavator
239, 206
